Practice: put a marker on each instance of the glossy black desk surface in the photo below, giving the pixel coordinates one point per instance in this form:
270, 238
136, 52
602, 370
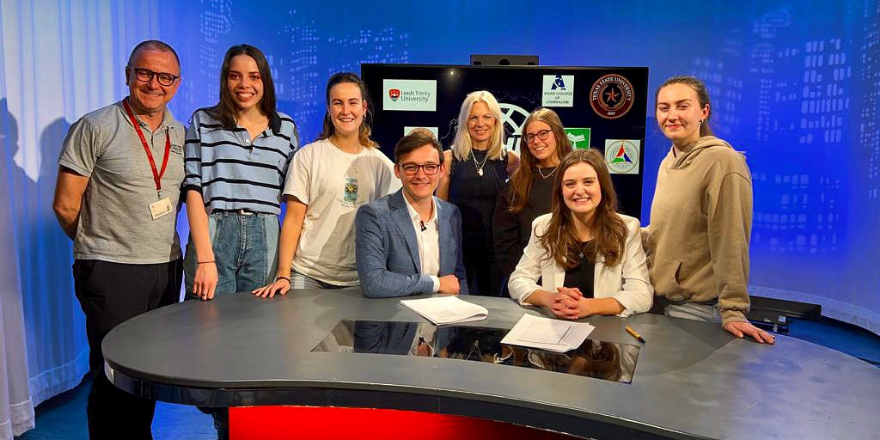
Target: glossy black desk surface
593, 358
691, 381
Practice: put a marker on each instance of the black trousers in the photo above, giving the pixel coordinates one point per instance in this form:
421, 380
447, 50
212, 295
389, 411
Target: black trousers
109, 294
220, 415
483, 274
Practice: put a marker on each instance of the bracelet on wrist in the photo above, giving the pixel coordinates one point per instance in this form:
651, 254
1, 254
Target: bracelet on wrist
205, 262
284, 278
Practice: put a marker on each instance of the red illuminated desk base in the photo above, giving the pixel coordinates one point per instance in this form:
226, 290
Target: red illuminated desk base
319, 423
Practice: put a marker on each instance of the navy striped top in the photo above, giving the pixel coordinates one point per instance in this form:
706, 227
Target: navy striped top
233, 171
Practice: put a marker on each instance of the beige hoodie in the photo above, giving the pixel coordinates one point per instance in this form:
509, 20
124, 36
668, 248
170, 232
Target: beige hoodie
701, 218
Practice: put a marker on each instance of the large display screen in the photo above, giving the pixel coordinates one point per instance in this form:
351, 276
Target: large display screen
600, 107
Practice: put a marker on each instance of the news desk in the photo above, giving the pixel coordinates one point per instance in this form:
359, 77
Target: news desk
691, 379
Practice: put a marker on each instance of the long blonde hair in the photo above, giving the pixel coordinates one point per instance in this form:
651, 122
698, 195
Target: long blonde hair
463, 144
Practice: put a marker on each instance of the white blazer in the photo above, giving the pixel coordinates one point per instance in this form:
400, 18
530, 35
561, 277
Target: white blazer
628, 282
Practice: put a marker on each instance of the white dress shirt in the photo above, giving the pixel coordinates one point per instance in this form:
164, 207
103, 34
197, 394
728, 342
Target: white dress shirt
428, 237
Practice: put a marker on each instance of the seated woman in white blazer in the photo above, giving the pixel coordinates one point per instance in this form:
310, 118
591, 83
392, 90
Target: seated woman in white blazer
588, 257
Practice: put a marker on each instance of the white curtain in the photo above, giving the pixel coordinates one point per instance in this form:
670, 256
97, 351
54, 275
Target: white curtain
59, 60
16, 407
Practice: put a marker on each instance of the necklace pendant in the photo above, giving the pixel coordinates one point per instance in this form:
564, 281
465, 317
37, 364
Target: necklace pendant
480, 172
581, 256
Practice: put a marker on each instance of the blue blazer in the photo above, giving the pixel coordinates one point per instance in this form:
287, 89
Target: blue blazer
387, 250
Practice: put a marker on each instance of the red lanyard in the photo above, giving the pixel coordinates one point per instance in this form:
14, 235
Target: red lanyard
157, 176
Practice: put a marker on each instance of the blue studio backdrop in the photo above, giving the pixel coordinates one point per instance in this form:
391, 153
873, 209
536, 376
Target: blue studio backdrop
794, 84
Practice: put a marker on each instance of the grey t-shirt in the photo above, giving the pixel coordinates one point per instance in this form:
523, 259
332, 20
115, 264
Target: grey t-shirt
115, 224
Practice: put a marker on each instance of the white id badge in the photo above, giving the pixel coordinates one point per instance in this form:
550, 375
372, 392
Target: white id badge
161, 208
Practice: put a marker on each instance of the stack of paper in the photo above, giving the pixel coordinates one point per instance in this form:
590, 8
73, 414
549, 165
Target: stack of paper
446, 309
553, 335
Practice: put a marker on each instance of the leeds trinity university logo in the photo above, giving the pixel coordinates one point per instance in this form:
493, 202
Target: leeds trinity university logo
394, 94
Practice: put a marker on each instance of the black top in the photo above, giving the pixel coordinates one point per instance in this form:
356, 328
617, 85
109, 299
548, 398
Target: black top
582, 275
475, 197
511, 231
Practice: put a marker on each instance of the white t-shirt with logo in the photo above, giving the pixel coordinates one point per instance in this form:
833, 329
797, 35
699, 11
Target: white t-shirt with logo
334, 184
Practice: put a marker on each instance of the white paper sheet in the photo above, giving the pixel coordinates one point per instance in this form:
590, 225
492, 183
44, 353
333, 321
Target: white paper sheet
446, 309
553, 335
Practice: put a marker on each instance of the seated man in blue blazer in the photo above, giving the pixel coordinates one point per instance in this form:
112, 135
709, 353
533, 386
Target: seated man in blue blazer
409, 242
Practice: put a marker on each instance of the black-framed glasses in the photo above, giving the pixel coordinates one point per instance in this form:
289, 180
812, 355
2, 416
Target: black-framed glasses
146, 75
411, 169
540, 134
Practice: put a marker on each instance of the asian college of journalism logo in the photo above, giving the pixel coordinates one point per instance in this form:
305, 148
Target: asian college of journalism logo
557, 91
394, 94
622, 156
558, 83
611, 96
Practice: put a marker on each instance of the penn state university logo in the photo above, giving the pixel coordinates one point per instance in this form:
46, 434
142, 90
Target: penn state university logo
394, 94
611, 96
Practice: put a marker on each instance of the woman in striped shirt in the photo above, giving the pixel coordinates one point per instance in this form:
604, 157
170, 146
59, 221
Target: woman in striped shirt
237, 155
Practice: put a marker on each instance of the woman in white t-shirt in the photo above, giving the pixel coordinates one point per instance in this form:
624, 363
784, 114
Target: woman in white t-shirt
326, 183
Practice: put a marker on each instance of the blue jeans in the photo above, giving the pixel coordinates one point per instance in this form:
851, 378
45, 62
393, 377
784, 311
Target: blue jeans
245, 251
246, 254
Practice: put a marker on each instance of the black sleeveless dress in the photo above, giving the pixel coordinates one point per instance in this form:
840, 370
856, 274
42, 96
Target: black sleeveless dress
475, 194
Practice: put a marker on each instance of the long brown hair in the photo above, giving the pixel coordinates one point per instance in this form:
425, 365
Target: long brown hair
226, 109
521, 180
609, 232
365, 131
702, 96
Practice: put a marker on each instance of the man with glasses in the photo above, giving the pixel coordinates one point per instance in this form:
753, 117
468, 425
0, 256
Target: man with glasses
409, 242
117, 196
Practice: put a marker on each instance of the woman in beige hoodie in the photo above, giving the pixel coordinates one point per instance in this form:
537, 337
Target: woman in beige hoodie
701, 216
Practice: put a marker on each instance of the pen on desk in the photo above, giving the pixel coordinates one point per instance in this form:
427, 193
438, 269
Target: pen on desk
634, 334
